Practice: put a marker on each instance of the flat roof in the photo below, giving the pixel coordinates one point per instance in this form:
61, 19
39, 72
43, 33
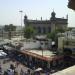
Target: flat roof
42, 54
46, 53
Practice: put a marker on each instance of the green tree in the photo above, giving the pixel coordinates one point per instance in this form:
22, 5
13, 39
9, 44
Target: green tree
12, 27
9, 28
52, 35
60, 30
6, 28
29, 32
69, 29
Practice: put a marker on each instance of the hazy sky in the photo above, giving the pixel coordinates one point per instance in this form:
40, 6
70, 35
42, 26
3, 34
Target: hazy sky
9, 10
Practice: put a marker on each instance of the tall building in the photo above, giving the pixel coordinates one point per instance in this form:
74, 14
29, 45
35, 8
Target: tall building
47, 26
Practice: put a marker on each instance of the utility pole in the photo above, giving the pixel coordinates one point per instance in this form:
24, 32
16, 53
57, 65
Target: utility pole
21, 22
2, 33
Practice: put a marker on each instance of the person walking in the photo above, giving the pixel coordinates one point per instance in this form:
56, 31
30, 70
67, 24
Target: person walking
0, 69
21, 72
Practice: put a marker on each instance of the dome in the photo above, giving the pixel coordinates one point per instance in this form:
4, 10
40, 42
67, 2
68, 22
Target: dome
25, 16
53, 14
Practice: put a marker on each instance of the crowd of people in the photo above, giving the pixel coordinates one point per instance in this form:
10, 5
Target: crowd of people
12, 70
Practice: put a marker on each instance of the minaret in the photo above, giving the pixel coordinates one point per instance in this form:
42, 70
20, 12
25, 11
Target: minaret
25, 20
41, 18
25, 17
67, 16
53, 21
53, 14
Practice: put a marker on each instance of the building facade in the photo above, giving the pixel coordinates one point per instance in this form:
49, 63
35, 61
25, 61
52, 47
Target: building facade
46, 26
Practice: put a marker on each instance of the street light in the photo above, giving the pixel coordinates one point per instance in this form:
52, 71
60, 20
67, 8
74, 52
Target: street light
2, 33
21, 22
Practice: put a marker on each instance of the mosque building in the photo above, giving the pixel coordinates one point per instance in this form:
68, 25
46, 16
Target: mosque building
47, 26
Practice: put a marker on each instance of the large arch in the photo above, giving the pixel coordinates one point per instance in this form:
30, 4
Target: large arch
39, 29
44, 30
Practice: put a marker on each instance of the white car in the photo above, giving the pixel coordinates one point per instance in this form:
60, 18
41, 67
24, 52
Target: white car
2, 54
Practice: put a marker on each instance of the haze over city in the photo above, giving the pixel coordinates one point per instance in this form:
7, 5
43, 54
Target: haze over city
9, 10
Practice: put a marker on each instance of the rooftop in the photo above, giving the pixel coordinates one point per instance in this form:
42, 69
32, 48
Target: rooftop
42, 54
58, 20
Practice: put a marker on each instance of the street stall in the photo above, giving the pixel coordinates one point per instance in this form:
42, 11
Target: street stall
35, 59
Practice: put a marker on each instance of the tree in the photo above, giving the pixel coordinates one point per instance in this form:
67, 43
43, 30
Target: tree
6, 28
54, 37
9, 28
69, 29
12, 27
60, 30
51, 35
29, 32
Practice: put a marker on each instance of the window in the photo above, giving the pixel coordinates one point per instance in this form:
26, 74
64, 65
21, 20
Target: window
44, 30
49, 29
39, 29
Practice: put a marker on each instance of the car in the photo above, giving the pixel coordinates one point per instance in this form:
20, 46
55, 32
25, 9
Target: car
2, 54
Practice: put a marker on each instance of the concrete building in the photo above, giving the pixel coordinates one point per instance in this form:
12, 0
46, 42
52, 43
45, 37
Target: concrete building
47, 26
66, 44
